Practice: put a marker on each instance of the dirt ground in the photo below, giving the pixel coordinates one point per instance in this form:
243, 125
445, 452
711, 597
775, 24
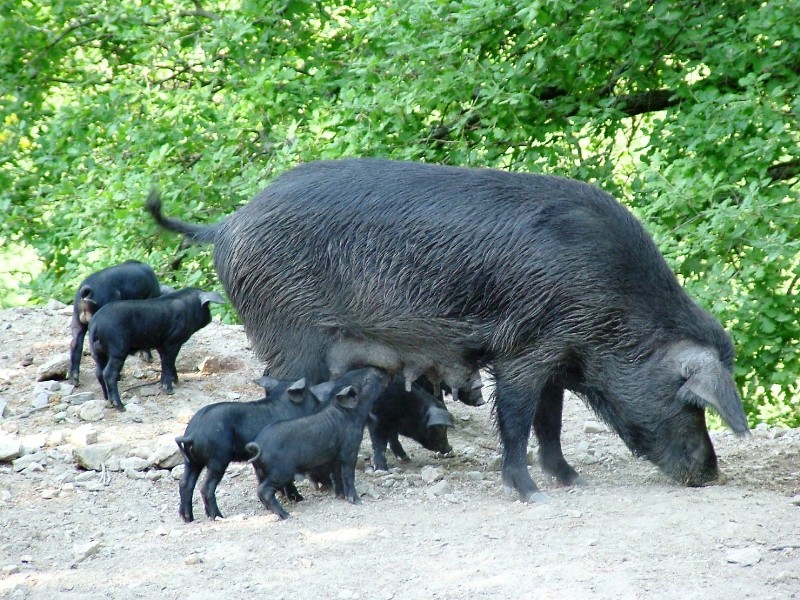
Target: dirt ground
437, 527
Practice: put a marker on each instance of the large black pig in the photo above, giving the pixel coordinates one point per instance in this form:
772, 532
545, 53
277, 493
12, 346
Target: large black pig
549, 281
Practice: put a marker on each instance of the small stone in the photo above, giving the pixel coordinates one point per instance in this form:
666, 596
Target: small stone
154, 474
23, 462
177, 472
54, 305
33, 442
193, 559
746, 557
166, 455
594, 427
92, 411
369, 491
49, 494
135, 463
215, 364
26, 559
439, 489
83, 551
430, 474
475, 475
79, 398
795, 500
3, 404
95, 456
55, 368
134, 474
10, 448
48, 386
10, 569
41, 400
84, 435
27, 360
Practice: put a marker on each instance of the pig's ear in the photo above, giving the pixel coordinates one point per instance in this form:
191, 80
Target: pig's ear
267, 382
439, 416
322, 391
708, 382
297, 390
347, 397
206, 297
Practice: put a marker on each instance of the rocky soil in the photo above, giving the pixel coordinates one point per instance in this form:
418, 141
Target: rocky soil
89, 503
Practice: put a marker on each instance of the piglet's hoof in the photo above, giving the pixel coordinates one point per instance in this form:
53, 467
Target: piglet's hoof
120, 407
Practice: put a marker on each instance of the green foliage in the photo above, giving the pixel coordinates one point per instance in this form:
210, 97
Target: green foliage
687, 112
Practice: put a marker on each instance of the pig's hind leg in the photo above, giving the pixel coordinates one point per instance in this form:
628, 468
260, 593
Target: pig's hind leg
266, 493
208, 489
191, 472
547, 427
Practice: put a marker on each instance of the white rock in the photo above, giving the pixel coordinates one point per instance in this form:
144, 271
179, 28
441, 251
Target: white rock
79, 398
92, 411
591, 426
83, 551
193, 559
166, 455
430, 474
33, 442
23, 462
41, 400
95, 456
177, 472
746, 557
55, 368
440, 489
135, 463
55, 305
10, 448
84, 435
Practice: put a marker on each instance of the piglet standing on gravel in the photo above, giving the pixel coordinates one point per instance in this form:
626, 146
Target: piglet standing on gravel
417, 414
164, 323
217, 434
328, 438
131, 280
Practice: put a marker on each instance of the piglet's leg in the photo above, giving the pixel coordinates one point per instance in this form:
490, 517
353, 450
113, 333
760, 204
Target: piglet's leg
266, 493
191, 472
169, 373
111, 375
208, 490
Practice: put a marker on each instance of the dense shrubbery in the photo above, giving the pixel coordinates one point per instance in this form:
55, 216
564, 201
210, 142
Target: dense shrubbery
686, 112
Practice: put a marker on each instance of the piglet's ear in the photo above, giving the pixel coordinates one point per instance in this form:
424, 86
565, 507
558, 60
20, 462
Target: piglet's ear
440, 416
206, 297
347, 397
296, 390
710, 383
267, 382
322, 391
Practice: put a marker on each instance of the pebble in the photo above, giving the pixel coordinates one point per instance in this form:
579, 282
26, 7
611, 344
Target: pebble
193, 559
92, 411
430, 474
594, 427
41, 400
746, 557
166, 454
10, 569
79, 398
55, 367
85, 435
439, 489
83, 551
795, 500
10, 448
